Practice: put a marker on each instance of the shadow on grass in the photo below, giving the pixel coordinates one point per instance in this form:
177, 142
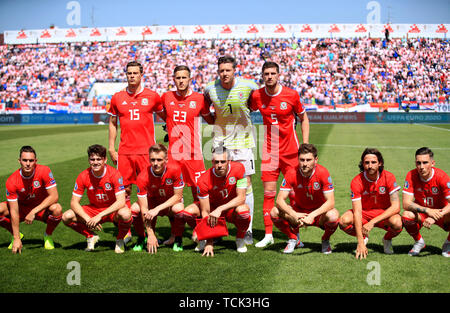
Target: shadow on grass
31, 244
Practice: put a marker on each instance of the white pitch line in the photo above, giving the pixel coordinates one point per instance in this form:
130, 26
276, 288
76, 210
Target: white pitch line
379, 147
434, 127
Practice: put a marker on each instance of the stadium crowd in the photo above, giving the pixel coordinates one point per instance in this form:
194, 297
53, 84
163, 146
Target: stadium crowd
324, 71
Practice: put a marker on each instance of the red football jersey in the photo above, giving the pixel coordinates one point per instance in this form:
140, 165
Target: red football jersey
101, 191
220, 190
433, 193
135, 115
309, 191
159, 189
279, 118
30, 191
374, 194
184, 124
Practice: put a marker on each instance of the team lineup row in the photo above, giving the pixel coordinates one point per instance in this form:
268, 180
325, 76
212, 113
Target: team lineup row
231, 99
32, 194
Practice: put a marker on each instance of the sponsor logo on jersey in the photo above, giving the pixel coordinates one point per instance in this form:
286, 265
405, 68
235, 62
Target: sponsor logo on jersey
172, 103
124, 103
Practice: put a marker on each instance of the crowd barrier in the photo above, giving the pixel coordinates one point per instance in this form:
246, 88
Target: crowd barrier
314, 117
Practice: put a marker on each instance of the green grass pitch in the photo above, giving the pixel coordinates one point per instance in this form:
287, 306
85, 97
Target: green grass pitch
63, 148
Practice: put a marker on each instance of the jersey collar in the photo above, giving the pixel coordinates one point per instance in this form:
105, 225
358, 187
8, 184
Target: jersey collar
371, 181
427, 180
136, 93
228, 172
279, 91
101, 176
153, 173
27, 177
187, 95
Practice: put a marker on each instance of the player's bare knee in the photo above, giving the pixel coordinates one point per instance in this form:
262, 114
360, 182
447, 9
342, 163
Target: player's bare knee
68, 217
409, 215
4, 209
274, 213
55, 209
192, 209
346, 219
242, 208
177, 208
124, 214
332, 215
396, 222
135, 208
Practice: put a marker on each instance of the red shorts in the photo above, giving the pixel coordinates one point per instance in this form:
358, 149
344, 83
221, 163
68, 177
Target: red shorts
130, 165
24, 210
191, 170
93, 211
368, 215
439, 222
272, 166
229, 214
316, 219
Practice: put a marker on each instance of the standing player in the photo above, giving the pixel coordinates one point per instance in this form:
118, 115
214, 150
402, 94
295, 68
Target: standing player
314, 200
279, 106
160, 193
31, 194
184, 110
232, 126
426, 200
375, 202
133, 109
221, 192
106, 194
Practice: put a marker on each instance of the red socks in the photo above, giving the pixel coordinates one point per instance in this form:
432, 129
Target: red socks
268, 204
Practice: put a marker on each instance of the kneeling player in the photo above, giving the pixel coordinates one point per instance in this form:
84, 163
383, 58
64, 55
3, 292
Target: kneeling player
160, 193
31, 194
426, 200
221, 193
106, 194
375, 202
314, 200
